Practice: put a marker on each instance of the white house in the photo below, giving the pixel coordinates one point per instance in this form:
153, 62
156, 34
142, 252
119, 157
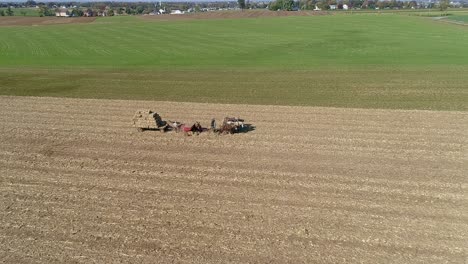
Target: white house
62, 12
332, 7
176, 12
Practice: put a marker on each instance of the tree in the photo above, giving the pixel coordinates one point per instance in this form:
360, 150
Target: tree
9, 12
444, 4
2, 13
282, 5
323, 5
140, 9
288, 5
241, 4
77, 12
23, 13
413, 4
45, 11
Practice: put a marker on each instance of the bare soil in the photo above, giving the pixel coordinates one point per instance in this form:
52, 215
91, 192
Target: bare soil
232, 15
42, 21
78, 184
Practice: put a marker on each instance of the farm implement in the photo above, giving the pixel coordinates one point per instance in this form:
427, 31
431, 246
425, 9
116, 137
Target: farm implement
150, 120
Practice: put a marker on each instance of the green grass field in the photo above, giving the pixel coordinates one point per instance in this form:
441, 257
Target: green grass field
358, 60
25, 11
459, 18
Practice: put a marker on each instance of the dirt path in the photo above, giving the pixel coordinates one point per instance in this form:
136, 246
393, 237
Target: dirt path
78, 184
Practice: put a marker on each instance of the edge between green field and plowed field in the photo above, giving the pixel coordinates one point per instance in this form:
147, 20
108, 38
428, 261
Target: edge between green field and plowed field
432, 89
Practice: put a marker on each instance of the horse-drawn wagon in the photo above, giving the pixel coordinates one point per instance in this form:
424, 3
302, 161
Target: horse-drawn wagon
232, 125
149, 120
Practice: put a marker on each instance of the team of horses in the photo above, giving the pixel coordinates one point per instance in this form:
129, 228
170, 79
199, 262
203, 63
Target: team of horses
230, 125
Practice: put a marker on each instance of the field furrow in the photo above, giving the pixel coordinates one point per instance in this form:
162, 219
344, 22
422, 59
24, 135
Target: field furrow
79, 184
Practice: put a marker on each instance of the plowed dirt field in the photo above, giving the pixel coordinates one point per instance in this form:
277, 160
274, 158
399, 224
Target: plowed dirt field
78, 184
233, 15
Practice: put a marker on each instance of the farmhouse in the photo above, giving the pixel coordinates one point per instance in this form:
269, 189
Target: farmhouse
176, 12
62, 12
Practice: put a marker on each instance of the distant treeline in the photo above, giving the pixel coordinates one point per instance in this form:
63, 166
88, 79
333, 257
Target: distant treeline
121, 8
292, 5
141, 8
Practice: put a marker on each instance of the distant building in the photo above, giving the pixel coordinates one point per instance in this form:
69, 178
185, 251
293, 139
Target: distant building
332, 7
176, 12
345, 7
62, 12
88, 13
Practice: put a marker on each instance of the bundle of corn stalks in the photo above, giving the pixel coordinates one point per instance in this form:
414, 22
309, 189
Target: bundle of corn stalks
147, 119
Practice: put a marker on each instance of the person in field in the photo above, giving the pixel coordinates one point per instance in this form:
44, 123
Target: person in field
213, 124
196, 128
